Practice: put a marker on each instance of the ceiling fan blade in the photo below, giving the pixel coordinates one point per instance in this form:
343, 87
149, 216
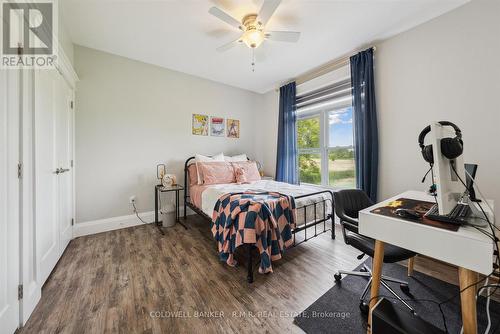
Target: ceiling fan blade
222, 15
283, 36
267, 10
229, 45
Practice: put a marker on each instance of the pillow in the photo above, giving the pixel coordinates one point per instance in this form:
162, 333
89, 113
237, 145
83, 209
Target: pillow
203, 158
239, 173
193, 174
250, 169
216, 172
235, 158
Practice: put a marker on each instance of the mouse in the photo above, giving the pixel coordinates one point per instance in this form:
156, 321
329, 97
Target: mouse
408, 214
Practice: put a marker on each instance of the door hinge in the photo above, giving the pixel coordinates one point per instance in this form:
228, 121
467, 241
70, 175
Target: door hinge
71, 104
71, 163
19, 170
72, 221
20, 291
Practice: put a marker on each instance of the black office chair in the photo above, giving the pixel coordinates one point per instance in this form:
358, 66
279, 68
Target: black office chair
347, 205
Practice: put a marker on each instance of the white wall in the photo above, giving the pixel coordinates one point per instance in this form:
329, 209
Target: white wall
130, 116
64, 38
445, 69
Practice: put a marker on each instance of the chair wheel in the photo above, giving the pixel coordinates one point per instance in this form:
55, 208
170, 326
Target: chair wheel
363, 269
364, 307
405, 288
337, 277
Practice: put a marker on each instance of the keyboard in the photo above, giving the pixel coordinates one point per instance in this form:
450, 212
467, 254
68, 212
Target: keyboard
457, 216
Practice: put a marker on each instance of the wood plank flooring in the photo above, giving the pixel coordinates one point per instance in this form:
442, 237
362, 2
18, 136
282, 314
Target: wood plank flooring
137, 281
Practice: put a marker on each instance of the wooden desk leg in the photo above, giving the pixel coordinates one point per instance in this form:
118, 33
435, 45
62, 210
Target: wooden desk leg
468, 300
378, 260
411, 262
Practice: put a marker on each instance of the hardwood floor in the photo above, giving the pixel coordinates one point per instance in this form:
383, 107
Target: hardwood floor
137, 281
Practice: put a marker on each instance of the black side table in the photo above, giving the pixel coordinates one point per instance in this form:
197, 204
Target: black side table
161, 189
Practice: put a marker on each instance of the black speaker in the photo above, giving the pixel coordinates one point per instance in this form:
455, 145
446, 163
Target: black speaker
389, 318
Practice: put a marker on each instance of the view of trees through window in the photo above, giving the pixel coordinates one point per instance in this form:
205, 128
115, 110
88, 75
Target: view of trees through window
339, 171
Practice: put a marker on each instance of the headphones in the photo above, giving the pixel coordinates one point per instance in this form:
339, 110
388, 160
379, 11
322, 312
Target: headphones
451, 148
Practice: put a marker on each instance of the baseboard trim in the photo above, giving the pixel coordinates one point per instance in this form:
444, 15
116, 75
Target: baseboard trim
114, 223
110, 224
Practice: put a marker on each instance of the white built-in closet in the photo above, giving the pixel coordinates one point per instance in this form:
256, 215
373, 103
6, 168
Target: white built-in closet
53, 143
37, 183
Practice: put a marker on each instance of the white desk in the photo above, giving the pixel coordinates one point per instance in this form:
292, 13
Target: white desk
467, 248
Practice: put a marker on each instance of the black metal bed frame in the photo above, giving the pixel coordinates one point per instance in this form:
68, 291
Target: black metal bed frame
304, 227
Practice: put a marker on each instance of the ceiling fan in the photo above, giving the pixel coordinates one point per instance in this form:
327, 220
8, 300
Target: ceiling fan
253, 27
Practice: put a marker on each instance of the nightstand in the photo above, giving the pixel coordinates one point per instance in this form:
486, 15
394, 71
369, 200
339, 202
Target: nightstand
161, 189
269, 178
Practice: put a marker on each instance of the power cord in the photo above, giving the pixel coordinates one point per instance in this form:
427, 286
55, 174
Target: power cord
493, 237
137, 214
417, 300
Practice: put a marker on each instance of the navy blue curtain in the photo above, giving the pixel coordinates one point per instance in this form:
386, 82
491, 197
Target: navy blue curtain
365, 122
286, 160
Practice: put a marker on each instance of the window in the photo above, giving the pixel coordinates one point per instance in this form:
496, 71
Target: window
308, 142
325, 137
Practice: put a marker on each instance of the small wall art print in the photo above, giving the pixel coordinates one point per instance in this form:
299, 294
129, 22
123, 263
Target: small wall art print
200, 125
217, 126
233, 128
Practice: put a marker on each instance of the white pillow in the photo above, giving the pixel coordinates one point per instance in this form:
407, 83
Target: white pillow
236, 158
204, 158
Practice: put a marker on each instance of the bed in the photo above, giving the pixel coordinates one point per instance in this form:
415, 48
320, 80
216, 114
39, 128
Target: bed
314, 206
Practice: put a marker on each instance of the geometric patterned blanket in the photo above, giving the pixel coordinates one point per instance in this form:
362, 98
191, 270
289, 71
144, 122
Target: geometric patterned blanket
262, 219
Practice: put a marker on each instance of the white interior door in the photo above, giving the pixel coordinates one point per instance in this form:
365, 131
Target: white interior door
9, 200
30, 269
64, 155
46, 198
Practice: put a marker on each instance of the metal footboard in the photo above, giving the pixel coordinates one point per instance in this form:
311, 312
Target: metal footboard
316, 221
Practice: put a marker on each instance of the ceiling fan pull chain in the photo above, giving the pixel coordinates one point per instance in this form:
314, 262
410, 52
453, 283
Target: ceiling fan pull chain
253, 60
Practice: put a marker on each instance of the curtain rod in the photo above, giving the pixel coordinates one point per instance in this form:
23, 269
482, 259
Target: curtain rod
327, 67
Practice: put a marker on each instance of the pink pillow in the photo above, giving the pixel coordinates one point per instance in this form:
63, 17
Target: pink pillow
216, 172
193, 174
251, 171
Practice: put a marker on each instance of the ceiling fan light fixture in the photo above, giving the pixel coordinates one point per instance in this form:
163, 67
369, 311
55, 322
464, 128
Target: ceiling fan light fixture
253, 38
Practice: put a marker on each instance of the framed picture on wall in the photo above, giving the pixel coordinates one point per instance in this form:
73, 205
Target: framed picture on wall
200, 125
217, 126
233, 128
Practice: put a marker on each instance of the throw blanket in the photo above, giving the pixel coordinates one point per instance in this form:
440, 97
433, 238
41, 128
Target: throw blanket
264, 220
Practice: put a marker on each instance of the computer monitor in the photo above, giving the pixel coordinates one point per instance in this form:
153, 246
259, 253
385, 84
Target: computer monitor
449, 188
470, 175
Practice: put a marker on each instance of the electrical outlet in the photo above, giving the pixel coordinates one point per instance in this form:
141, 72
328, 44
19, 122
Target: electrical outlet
131, 199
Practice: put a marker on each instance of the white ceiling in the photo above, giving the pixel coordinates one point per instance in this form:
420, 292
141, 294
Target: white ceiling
181, 35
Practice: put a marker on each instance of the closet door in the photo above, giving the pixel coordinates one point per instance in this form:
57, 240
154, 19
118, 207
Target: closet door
46, 198
30, 273
9, 200
64, 156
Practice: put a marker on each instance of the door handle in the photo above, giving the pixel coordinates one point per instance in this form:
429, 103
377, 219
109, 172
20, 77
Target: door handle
61, 170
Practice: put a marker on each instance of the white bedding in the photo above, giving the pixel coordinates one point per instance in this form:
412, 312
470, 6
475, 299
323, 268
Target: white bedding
212, 193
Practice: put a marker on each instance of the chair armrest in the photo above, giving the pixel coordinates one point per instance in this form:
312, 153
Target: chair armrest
351, 224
